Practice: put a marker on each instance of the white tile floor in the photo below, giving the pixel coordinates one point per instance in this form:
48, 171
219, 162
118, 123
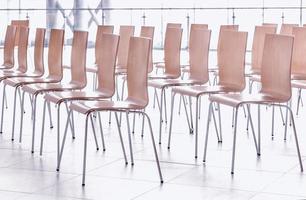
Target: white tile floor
273, 175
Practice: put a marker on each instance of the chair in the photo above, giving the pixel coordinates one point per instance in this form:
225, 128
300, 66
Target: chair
172, 51
102, 29
221, 30
125, 32
286, 29
106, 82
21, 56
257, 47
231, 55
298, 69
19, 23
8, 52
136, 101
161, 64
185, 67
148, 32
276, 89
38, 72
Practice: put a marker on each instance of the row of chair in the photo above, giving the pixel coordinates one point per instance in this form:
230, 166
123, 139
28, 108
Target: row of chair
276, 51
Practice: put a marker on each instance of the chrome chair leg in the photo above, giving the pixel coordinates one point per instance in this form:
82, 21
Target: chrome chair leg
121, 140
253, 130
94, 132
21, 117
50, 115
85, 149
129, 136
34, 122
63, 142
234, 140
191, 118
210, 109
154, 148
42, 128
296, 139
171, 119
2, 111
101, 131
14, 112
161, 114
187, 116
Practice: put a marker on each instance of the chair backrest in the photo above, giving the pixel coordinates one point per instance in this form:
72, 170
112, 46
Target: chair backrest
173, 25
55, 54
276, 66
231, 59
258, 45
9, 44
39, 51
172, 51
137, 77
148, 32
286, 29
298, 65
198, 54
226, 28
23, 48
198, 26
78, 58
19, 23
107, 63
125, 32
270, 24
100, 31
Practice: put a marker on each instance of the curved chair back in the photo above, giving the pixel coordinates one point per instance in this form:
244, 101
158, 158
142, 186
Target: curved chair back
137, 77
55, 54
286, 29
298, 65
198, 54
258, 45
78, 58
231, 59
148, 32
125, 32
276, 66
9, 44
39, 51
173, 25
100, 31
224, 28
23, 48
19, 23
172, 50
107, 63
270, 24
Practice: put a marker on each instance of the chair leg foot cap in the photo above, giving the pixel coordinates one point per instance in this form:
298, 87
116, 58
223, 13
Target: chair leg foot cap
232, 172
57, 169
32, 151
161, 182
97, 149
12, 139
83, 184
